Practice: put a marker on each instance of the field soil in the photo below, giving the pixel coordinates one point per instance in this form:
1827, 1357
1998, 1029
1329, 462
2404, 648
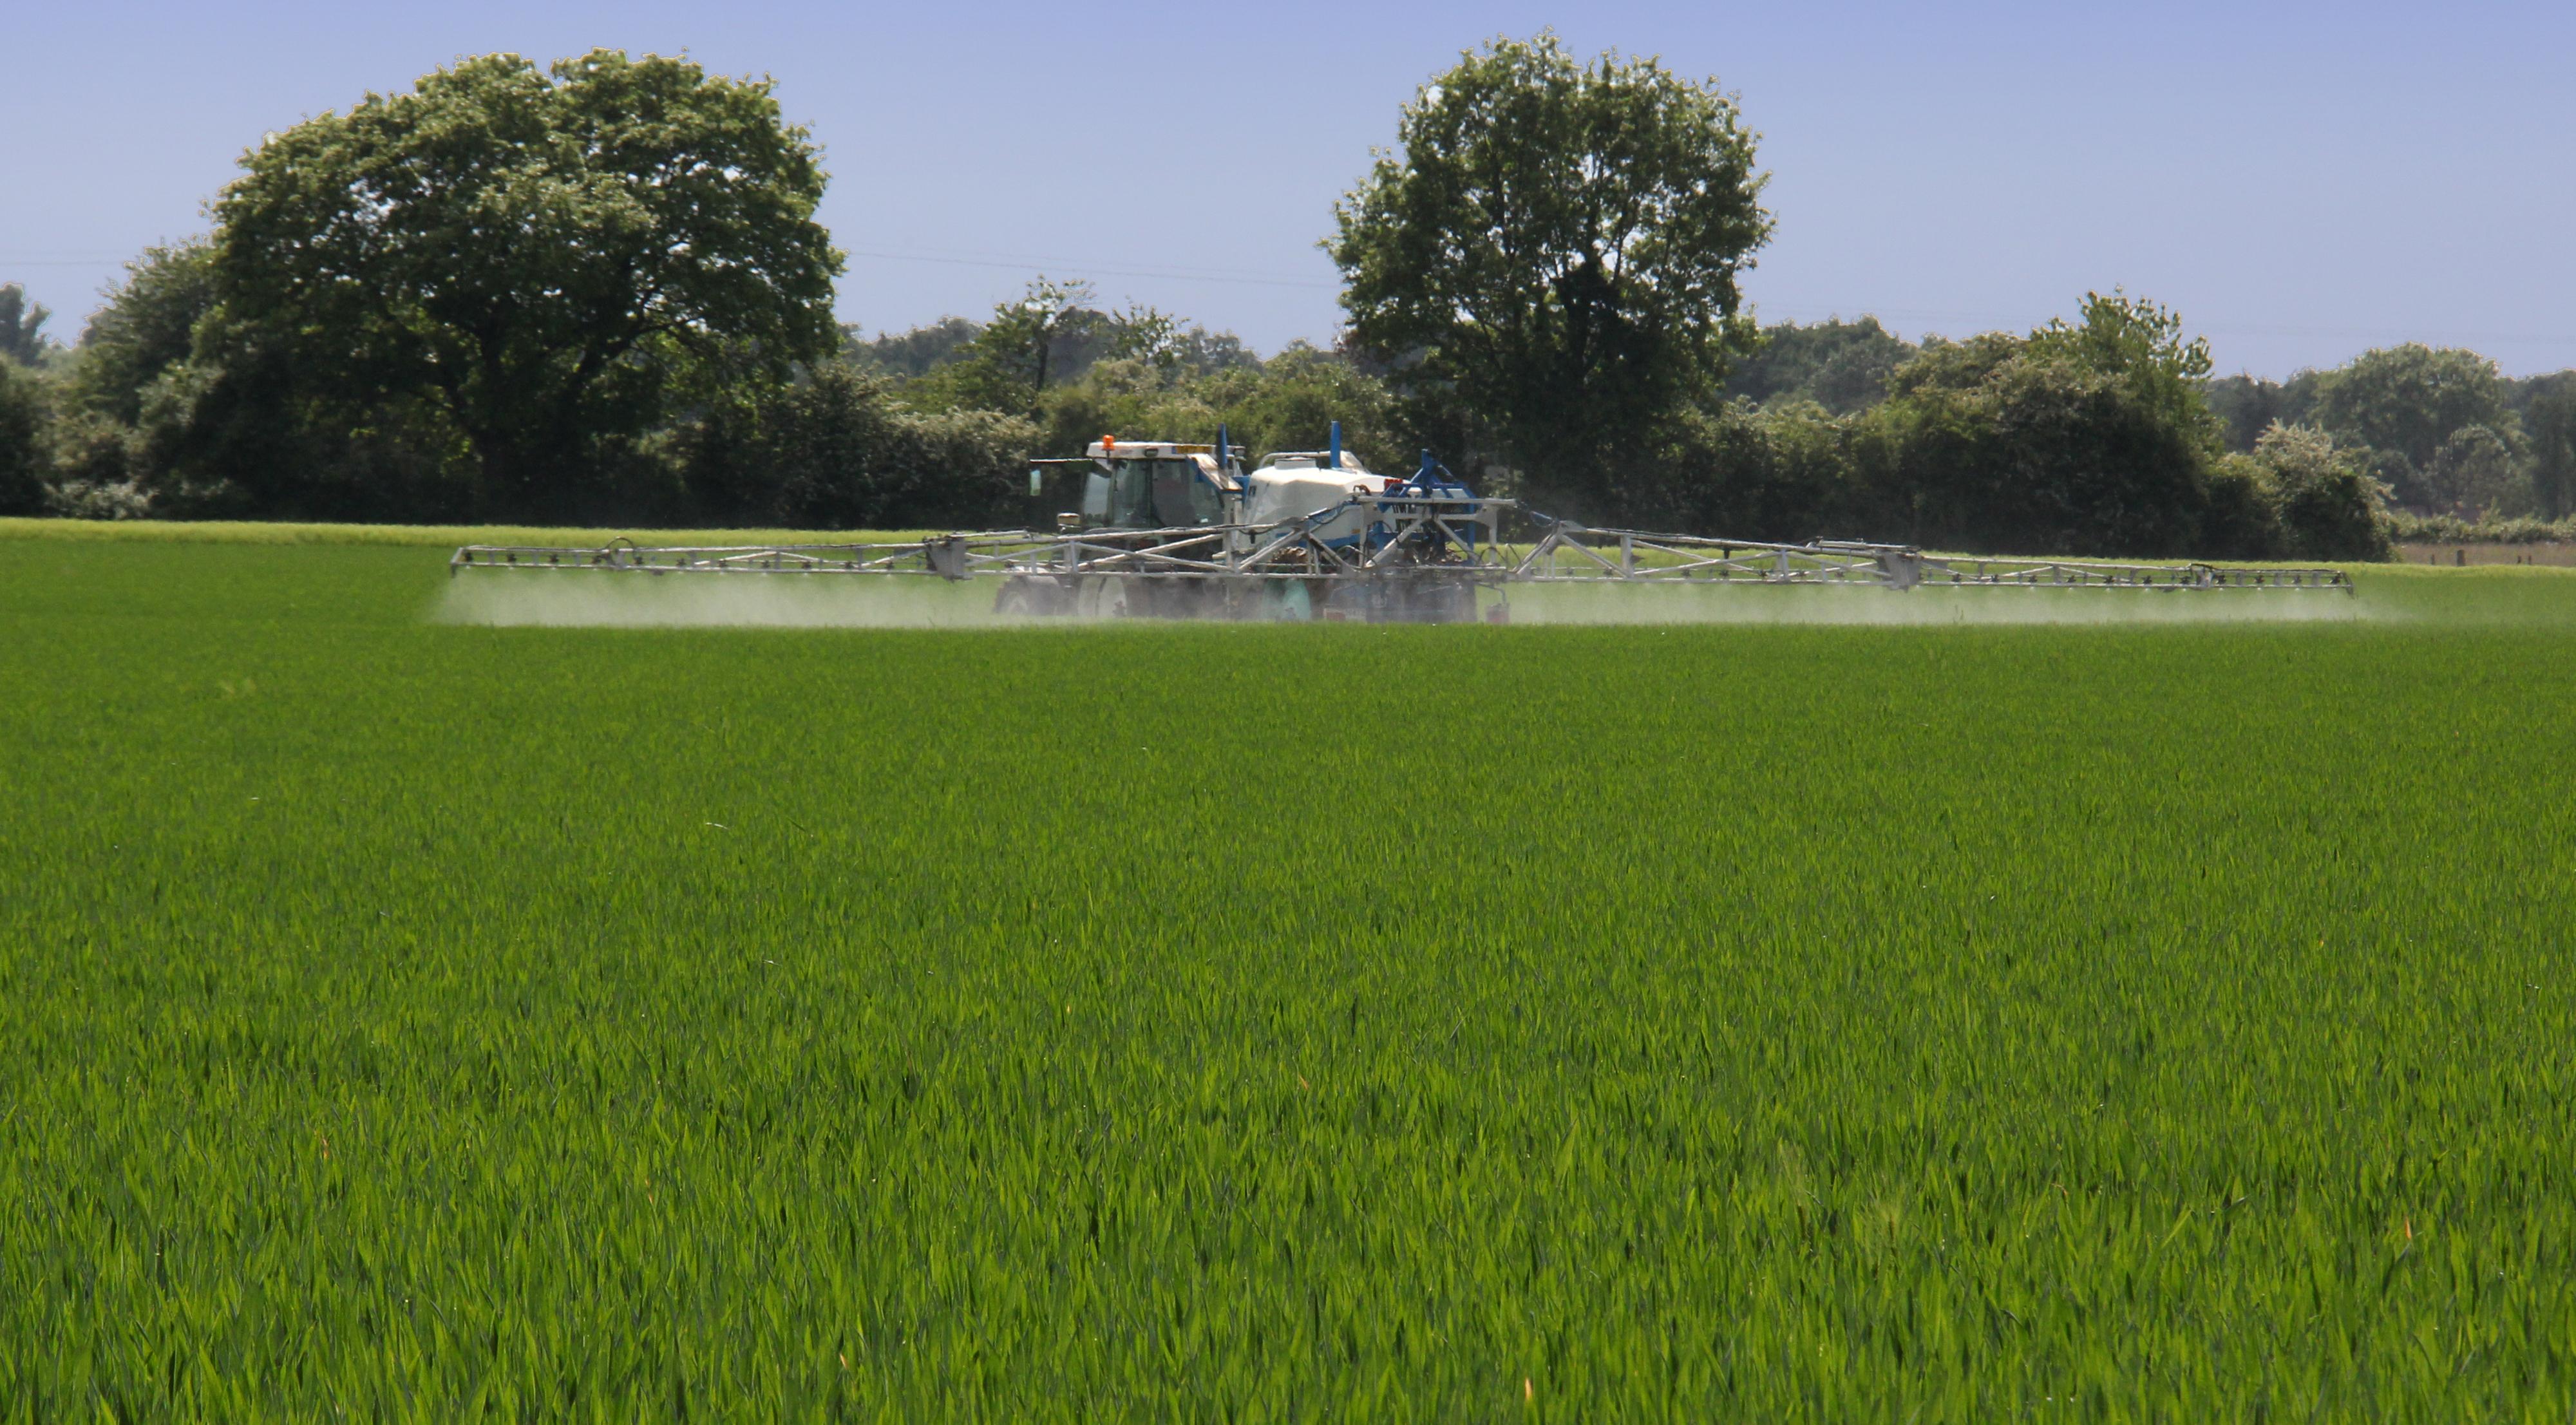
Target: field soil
403, 1016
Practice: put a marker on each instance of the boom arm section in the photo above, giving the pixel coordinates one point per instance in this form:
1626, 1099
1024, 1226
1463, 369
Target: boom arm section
1413, 550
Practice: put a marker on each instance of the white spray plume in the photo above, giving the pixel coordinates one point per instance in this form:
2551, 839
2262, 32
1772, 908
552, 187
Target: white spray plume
588, 599
1929, 605
622, 600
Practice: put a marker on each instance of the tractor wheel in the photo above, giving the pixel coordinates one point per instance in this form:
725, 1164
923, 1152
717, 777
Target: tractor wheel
1030, 598
1101, 598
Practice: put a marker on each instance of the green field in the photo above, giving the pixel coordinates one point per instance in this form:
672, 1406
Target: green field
414, 1020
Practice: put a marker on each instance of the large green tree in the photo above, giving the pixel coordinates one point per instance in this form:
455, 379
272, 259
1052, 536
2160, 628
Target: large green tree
547, 255
2549, 425
2408, 402
1555, 246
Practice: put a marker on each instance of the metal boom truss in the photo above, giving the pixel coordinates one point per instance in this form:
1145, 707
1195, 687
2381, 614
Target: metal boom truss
1399, 555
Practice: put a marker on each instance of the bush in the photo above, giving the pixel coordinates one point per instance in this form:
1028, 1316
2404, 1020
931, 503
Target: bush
234, 431
1778, 472
2242, 519
90, 449
83, 500
1992, 448
835, 451
2326, 506
93, 475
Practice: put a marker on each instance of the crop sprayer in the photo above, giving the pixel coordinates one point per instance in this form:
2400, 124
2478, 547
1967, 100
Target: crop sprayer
1174, 530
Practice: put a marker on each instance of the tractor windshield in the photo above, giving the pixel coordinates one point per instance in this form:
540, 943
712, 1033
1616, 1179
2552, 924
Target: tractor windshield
1162, 493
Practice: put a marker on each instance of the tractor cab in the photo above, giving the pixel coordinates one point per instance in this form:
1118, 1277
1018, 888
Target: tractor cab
1161, 484
1157, 484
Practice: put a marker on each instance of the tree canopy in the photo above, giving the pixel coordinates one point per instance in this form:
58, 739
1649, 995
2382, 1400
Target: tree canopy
2027, 444
1841, 366
2142, 345
2414, 406
2410, 399
22, 326
596, 292
1555, 246
2549, 424
147, 326
545, 254
25, 449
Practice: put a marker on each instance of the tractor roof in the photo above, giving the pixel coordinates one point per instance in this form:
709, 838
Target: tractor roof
1109, 448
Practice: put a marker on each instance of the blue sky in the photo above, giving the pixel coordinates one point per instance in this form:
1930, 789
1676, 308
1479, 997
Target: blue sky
2303, 181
